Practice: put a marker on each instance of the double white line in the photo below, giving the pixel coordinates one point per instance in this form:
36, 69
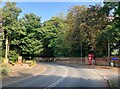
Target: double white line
60, 80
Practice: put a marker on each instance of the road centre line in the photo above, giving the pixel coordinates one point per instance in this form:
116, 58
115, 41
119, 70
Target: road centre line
59, 80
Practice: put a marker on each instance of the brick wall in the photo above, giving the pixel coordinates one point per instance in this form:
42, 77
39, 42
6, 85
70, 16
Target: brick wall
98, 61
69, 60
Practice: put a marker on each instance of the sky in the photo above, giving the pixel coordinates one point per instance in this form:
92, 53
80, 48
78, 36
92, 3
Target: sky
46, 10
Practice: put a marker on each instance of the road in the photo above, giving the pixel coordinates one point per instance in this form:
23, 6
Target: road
62, 75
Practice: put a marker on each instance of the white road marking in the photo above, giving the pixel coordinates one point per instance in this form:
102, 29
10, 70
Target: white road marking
61, 79
24, 78
103, 75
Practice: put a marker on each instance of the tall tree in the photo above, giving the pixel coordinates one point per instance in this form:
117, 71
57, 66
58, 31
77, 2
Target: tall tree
29, 39
111, 34
10, 15
74, 19
50, 28
96, 22
84, 24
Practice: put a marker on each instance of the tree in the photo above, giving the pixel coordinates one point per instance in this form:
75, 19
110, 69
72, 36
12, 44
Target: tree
74, 19
111, 34
54, 38
108, 6
50, 28
9, 17
96, 20
29, 40
59, 43
84, 24
24, 34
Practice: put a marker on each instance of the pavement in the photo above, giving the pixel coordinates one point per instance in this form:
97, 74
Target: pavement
54, 75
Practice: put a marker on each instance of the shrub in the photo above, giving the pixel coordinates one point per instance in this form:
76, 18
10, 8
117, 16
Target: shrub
34, 62
3, 60
23, 60
13, 56
31, 62
4, 72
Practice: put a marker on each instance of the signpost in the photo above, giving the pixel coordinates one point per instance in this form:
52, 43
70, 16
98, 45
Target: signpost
114, 58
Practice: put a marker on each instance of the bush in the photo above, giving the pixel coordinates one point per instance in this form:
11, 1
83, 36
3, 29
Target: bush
13, 56
3, 60
4, 72
31, 62
24, 61
12, 63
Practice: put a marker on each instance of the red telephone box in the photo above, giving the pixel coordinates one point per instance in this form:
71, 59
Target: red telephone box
90, 58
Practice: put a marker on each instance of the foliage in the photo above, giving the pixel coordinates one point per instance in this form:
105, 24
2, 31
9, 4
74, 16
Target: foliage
3, 60
55, 37
85, 27
22, 33
111, 33
9, 16
31, 62
13, 56
84, 24
4, 72
31, 44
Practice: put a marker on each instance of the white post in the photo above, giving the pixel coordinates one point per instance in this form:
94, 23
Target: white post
6, 59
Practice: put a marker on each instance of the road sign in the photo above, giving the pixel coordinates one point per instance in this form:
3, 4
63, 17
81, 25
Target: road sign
114, 58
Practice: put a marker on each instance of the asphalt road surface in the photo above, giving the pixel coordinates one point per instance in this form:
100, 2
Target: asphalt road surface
62, 75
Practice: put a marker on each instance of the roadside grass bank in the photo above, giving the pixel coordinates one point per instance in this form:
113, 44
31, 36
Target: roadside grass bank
6, 69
